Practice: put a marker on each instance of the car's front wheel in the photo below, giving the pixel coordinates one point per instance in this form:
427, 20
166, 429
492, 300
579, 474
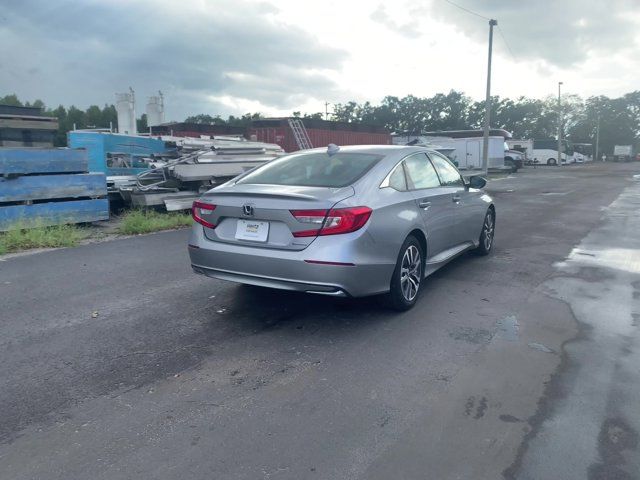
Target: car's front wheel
407, 276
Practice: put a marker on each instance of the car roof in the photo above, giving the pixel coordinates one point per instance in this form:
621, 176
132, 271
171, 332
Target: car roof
377, 149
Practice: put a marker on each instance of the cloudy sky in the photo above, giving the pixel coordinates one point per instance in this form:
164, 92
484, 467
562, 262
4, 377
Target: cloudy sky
275, 56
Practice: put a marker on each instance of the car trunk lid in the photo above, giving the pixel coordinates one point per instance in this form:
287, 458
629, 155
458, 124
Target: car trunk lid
260, 215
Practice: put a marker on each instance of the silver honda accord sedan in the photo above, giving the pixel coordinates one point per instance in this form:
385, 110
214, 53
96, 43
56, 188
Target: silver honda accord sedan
343, 221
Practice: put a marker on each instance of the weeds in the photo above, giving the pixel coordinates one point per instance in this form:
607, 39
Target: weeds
146, 221
22, 238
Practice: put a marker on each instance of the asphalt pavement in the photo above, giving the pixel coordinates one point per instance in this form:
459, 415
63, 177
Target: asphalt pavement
117, 362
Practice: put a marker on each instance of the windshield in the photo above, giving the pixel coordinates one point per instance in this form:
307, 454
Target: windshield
314, 169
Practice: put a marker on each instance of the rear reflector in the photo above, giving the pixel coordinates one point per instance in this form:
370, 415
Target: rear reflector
339, 264
332, 222
200, 209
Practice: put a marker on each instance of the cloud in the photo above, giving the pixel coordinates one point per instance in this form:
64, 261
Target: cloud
408, 29
82, 52
562, 33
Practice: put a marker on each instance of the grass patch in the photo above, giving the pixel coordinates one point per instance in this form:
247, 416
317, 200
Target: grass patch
22, 238
146, 221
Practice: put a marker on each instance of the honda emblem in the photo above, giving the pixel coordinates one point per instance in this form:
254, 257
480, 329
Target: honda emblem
248, 210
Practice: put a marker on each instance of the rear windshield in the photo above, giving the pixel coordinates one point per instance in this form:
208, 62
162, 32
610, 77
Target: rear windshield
315, 169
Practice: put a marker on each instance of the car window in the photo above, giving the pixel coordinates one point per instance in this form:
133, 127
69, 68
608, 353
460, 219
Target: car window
449, 175
397, 179
314, 169
421, 172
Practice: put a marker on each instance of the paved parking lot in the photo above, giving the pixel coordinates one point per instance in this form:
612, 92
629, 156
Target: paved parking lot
118, 362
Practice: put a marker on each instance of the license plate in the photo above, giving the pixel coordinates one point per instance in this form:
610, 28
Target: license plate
252, 230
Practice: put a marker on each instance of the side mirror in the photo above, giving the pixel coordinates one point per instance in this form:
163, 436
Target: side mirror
477, 182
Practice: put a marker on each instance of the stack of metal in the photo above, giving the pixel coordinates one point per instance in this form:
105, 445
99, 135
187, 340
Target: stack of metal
201, 164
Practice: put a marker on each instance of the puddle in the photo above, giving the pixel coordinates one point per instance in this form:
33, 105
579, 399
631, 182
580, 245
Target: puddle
540, 347
472, 335
508, 328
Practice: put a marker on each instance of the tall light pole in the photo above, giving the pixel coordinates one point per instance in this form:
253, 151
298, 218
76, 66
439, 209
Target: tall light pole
326, 110
595, 157
487, 104
559, 127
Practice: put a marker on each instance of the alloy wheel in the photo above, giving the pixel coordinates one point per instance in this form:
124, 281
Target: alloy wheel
410, 273
489, 227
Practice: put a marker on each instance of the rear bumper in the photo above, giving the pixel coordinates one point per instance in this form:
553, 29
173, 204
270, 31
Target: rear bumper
270, 282
288, 270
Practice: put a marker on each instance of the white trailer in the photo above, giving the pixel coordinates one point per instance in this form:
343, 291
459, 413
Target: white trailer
465, 152
623, 153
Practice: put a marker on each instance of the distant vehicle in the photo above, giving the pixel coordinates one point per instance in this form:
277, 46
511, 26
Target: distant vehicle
623, 153
465, 147
350, 221
582, 152
545, 152
514, 158
523, 146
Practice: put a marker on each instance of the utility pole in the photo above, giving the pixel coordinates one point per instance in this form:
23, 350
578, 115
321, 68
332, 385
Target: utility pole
559, 127
487, 106
596, 158
326, 110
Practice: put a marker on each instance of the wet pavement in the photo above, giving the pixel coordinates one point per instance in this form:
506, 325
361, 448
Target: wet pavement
117, 362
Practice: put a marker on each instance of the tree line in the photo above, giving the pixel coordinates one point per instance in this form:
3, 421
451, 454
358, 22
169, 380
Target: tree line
525, 118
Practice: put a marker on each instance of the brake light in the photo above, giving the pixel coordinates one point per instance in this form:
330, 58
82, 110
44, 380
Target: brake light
331, 222
199, 209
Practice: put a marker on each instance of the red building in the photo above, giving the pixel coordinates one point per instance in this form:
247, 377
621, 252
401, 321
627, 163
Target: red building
320, 132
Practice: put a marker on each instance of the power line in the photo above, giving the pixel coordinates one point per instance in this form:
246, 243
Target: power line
467, 10
504, 39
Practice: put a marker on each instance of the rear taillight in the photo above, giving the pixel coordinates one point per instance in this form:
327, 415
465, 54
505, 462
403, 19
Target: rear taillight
331, 222
200, 211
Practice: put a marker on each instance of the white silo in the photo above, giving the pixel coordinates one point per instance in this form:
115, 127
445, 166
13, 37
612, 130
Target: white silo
155, 110
126, 108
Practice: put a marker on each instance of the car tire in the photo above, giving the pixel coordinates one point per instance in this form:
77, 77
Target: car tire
552, 161
407, 276
485, 243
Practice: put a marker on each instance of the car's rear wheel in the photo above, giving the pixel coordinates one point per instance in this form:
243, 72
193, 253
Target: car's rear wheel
407, 276
488, 232
552, 161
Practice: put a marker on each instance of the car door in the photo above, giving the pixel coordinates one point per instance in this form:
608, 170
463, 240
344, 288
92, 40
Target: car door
461, 198
433, 201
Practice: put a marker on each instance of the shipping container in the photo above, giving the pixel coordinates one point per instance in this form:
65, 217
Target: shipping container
320, 132
196, 130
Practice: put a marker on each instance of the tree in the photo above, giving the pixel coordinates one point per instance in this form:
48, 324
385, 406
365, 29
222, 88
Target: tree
141, 124
93, 117
205, 119
11, 100
109, 116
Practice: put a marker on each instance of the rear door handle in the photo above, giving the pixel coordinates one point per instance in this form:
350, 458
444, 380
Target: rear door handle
456, 198
424, 204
